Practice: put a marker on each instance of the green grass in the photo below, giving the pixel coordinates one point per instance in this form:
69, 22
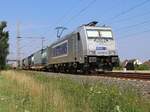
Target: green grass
33, 92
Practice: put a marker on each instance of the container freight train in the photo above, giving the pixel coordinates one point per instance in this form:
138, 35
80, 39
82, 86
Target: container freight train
88, 48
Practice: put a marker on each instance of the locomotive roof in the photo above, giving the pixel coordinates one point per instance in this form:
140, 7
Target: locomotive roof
79, 28
62, 38
98, 27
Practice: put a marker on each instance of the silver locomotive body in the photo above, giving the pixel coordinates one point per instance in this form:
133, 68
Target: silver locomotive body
87, 48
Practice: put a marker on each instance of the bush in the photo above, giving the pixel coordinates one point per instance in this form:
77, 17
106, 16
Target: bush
142, 67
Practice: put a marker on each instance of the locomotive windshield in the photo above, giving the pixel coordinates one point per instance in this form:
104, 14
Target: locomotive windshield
99, 34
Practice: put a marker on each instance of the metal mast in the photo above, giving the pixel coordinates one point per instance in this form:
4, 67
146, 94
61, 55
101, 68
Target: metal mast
18, 44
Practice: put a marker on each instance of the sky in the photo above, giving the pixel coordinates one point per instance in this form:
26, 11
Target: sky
129, 19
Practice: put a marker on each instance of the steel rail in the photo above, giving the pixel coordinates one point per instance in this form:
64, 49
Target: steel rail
128, 75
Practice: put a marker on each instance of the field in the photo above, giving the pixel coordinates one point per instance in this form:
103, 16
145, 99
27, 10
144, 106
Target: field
23, 91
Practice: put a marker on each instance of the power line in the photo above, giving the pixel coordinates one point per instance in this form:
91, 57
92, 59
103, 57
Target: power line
73, 17
68, 11
133, 34
82, 10
131, 26
134, 25
91, 3
130, 9
131, 17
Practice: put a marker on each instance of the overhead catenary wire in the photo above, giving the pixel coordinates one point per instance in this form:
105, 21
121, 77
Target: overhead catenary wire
133, 34
73, 7
131, 17
62, 18
130, 9
134, 25
81, 11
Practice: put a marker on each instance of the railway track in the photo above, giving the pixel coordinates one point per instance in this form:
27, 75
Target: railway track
128, 75
123, 75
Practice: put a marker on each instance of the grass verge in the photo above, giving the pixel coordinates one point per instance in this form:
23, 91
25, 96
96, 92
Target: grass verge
22, 91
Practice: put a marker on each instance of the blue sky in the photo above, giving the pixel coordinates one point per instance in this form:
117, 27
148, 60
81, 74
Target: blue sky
38, 18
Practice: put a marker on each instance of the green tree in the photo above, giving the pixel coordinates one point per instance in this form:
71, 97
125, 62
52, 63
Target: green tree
4, 37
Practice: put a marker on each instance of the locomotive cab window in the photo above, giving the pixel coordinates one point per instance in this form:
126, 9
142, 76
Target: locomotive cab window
101, 34
92, 33
106, 34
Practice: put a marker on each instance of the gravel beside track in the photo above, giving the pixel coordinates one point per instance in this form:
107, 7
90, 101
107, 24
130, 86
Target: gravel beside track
140, 85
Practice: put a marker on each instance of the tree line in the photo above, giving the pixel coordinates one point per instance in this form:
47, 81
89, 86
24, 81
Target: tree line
4, 45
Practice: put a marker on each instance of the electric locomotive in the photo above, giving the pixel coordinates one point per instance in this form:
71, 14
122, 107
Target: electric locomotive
88, 48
